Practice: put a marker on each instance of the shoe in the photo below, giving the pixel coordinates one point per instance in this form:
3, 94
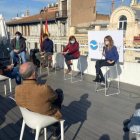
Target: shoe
68, 71
102, 81
97, 79
56, 134
54, 138
125, 129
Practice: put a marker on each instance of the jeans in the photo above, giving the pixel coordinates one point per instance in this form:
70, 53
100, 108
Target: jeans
99, 65
15, 57
14, 74
68, 57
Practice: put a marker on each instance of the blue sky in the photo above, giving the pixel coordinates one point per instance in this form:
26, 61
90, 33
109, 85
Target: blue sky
10, 8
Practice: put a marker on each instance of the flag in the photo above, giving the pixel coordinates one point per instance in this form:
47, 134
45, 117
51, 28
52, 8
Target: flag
46, 27
41, 36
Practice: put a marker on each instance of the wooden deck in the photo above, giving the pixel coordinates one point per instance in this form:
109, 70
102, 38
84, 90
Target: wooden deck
89, 115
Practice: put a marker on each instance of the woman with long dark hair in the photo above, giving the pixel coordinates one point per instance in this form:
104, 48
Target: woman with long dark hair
111, 57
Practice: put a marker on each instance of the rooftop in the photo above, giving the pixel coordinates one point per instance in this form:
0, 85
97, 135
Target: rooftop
89, 115
34, 19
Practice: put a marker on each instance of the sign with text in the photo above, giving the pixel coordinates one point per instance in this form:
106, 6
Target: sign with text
96, 43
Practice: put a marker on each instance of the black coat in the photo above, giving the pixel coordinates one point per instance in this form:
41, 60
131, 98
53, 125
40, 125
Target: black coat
22, 44
4, 56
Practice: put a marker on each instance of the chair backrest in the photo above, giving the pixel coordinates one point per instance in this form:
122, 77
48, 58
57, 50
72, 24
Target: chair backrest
2, 78
36, 120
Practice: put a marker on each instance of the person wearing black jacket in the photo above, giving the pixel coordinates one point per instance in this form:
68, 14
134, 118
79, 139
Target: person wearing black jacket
18, 46
6, 68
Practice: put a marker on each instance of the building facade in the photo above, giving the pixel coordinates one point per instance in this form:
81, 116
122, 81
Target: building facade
128, 19
76, 17
30, 26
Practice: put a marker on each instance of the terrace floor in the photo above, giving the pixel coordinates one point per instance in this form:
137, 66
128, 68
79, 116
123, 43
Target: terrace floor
89, 115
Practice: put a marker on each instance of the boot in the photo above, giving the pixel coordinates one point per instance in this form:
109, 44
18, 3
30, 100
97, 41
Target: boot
97, 79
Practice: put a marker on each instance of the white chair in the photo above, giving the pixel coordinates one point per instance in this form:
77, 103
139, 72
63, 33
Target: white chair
4, 79
108, 78
37, 121
71, 77
137, 135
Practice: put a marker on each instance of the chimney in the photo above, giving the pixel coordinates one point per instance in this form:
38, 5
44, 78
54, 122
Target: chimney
133, 2
27, 13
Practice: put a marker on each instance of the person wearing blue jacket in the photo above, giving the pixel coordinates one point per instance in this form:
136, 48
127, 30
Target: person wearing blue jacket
111, 57
47, 48
47, 45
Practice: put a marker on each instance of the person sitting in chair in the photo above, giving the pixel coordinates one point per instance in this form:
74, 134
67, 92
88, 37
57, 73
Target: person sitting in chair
6, 67
111, 57
70, 52
47, 48
18, 46
39, 98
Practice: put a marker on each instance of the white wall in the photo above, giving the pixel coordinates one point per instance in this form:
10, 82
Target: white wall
130, 72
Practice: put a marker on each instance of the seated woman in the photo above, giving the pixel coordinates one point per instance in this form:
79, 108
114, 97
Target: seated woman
71, 52
111, 57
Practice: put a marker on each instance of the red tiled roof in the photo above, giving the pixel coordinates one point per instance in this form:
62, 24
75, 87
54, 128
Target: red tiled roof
102, 17
34, 18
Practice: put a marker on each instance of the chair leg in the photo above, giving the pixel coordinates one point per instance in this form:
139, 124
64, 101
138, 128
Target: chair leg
118, 78
81, 70
10, 85
72, 73
62, 129
37, 134
40, 69
81, 76
45, 133
55, 68
5, 89
22, 130
106, 77
137, 136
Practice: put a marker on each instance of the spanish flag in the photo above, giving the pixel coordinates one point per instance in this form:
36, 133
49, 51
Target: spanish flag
41, 36
46, 27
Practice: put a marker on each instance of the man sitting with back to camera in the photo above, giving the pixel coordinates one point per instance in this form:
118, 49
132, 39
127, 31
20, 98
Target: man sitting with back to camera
38, 98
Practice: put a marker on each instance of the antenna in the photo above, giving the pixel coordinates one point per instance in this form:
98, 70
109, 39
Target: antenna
113, 5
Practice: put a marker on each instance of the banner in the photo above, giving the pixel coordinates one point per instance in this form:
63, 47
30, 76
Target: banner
96, 43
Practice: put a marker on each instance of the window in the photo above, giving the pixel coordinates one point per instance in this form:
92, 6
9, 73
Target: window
123, 23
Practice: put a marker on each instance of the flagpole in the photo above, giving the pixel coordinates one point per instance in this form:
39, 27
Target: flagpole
113, 5
40, 33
